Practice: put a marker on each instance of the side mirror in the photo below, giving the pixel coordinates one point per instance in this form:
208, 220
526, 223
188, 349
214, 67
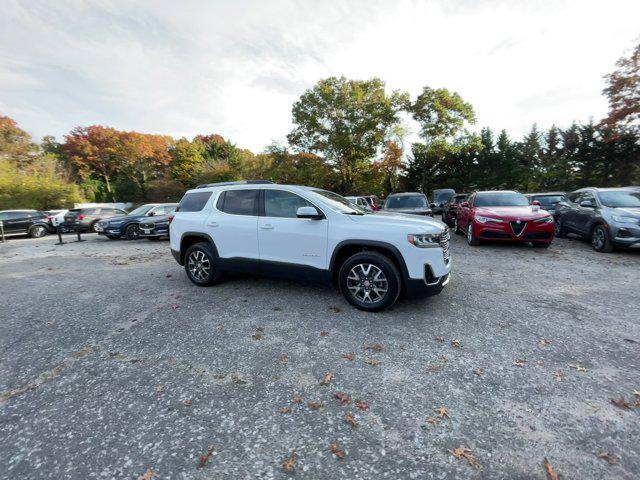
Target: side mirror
587, 204
151, 214
464, 204
536, 203
433, 205
311, 213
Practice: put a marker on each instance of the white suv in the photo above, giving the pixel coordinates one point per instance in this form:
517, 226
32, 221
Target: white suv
307, 233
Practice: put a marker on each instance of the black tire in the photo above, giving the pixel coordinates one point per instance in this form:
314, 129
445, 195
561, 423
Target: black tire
38, 231
542, 245
601, 239
153, 239
203, 253
471, 238
92, 228
370, 265
560, 229
456, 227
132, 232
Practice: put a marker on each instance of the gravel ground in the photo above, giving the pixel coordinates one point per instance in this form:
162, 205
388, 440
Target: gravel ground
112, 363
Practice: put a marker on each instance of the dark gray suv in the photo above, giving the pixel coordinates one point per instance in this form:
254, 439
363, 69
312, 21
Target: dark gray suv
609, 217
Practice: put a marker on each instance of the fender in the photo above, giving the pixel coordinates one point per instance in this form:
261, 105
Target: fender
179, 256
371, 243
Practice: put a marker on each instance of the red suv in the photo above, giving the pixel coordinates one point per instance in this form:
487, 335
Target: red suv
505, 216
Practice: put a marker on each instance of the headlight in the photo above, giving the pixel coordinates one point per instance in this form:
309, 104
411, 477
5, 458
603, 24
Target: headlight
548, 219
424, 240
481, 219
620, 219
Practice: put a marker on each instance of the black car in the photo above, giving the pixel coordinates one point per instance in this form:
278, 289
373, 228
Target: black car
440, 197
547, 201
87, 218
156, 227
24, 222
450, 208
609, 217
411, 202
128, 226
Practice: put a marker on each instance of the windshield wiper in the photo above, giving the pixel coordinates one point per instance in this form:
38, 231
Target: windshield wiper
353, 213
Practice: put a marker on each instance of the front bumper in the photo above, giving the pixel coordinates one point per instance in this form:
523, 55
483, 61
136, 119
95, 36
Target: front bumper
530, 231
627, 236
156, 232
427, 287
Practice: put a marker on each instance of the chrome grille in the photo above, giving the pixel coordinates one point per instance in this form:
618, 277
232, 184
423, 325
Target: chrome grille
148, 225
444, 245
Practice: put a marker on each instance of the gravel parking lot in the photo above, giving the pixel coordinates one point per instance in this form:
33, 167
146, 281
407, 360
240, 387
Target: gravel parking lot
113, 365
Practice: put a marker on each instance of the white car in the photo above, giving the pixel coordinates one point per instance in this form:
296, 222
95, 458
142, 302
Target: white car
361, 202
307, 233
56, 217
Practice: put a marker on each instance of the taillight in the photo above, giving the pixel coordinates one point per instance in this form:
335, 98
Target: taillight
170, 218
81, 217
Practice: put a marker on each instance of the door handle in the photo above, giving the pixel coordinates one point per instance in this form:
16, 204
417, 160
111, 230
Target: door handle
212, 224
268, 226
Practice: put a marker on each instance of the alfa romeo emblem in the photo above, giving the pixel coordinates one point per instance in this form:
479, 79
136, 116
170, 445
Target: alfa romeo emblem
518, 222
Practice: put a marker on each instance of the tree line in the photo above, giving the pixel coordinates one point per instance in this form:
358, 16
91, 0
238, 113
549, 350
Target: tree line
349, 136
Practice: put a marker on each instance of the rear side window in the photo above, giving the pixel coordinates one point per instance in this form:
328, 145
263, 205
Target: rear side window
239, 202
193, 202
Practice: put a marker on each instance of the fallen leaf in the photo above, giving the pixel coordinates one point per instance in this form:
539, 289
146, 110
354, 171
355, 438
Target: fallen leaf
276, 309
444, 359
348, 356
440, 338
204, 458
376, 347
621, 403
335, 309
372, 362
289, 463
175, 306
443, 412
314, 405
636, 393
519, 363
297, 399
148, 475
335, 449
259, 329
84, 352
326, 380
432, 420
577, 367
284, 358
350, 419
159, 388
609, 457
551, 473
343, 397
362, 405
456, 343
285, 410
543, 343
256, 336
465, 453
479, 371
188, 402
559, 376
324, 333
168, 275
433, 368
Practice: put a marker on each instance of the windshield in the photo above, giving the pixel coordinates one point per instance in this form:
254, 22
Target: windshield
620, 198
338, 202
548, 199
441, 197
502, 199
406, 201
141, 210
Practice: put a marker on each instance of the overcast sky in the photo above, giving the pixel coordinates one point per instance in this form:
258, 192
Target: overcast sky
236, 67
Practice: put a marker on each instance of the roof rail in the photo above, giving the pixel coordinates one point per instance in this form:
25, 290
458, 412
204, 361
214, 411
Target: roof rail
239, 182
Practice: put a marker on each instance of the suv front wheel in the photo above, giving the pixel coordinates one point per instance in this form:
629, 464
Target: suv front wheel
369, 281
199, 263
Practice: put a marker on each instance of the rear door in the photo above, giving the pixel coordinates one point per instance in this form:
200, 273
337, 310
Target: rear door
285, 238
584, 216
233, 224
13, 222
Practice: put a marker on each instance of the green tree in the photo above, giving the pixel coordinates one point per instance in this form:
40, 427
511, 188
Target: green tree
187, 161
441, 114
346, 122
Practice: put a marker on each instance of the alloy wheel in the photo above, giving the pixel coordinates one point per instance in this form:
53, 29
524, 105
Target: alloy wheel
367, 283
598, 238
199, 265
133, 232
39, 231
470, 232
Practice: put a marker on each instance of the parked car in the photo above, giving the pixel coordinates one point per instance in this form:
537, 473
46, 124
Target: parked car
86, 219
451, 206
55, 218
504, 215
24, 222
547, 201
155, 228
128, 226
311, 234
440, 197
411, 202
361, 202
609, 217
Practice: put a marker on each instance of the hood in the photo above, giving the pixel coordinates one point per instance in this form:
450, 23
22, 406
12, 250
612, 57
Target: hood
400, 220
156, 219
413, 210
119, 218
522, 213
627, 211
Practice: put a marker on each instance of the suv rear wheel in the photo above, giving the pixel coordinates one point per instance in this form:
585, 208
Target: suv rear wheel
601, 240
37, 231
369, 281
199, 263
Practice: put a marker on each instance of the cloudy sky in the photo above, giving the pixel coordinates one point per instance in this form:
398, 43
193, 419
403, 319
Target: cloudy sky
236, 67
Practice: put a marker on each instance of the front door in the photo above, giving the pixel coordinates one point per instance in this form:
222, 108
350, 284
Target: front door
285, 238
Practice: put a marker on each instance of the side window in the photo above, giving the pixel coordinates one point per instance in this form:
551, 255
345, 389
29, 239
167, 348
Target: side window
4, 216
573, 197
239, 202
193, 202
588, 197
161, 210
281, 204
